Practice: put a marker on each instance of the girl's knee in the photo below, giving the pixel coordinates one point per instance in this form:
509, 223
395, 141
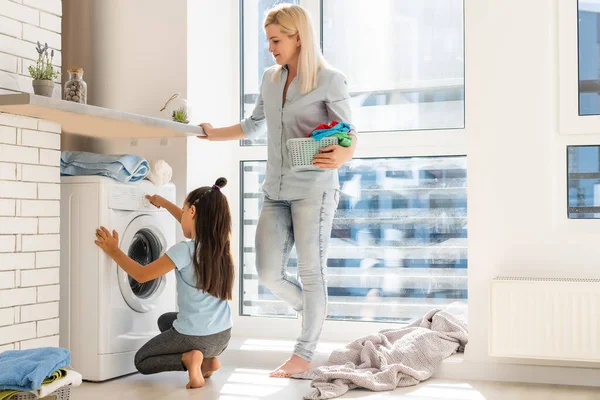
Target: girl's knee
165, 321
139, 365
138, 362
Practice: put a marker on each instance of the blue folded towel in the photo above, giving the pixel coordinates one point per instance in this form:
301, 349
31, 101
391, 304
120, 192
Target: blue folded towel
341, 127
124, 168
25, 370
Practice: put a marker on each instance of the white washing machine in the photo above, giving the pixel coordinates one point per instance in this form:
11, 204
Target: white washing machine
105, 315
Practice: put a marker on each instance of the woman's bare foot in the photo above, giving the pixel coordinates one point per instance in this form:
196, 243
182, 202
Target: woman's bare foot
294, 365
210, 365
193, 362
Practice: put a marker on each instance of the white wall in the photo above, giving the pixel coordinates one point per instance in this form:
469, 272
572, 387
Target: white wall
511, 104
138, 52
517, 187
213, 87
29, 185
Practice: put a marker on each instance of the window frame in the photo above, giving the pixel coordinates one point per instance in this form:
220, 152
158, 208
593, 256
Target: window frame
570, 122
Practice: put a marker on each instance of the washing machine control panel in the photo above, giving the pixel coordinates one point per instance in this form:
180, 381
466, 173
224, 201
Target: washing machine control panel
134, 197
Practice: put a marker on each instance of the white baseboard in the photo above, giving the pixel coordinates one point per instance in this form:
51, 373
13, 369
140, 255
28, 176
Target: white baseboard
268, 354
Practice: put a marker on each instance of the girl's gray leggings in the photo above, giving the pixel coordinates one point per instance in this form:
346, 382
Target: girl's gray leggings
163, 352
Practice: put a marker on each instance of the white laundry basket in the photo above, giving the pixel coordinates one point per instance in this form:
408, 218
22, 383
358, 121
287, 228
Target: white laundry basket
303, 150
64, 393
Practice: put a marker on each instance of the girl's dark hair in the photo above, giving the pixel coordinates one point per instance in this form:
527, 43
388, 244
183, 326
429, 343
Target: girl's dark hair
213, 260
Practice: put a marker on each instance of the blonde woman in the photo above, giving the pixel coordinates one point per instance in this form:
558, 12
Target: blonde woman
296, 95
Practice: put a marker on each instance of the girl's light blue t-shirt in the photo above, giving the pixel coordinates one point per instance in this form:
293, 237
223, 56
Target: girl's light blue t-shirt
200, 314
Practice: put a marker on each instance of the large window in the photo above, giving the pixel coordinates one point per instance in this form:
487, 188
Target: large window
589, 56
584, 181
399, 240
404, 61
255, 54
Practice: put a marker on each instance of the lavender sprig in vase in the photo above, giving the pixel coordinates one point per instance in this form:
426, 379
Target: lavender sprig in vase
43, 73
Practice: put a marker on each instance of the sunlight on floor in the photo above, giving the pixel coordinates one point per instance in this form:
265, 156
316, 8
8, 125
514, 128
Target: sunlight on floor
284, 345
446, 391
255, 384
251, 384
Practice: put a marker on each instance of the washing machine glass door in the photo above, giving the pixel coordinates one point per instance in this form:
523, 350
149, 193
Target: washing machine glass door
143, 242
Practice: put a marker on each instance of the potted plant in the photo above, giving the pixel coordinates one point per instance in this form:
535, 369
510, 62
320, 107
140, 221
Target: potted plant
180, 115
43, 73
176, 108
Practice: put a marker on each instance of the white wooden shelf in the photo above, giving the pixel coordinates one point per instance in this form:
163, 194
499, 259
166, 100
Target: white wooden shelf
86, 120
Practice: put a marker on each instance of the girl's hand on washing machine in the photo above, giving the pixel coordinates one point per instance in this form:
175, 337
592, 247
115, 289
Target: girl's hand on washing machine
107, 242
156, 200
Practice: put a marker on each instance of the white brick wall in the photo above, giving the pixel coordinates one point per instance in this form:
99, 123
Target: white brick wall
47, 259
49, 225
39, 312
12, 261
39, 277
17, 225
48, 327
8, 171
48, 191
8, 134
7, 281
7, 243
17, 190
41, 139
7, 316
48, 293
40, 242
21, 26
19, 332
37, 173
49, 157
29, 184
48, 341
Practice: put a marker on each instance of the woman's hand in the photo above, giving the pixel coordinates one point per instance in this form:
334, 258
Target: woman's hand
107, 242
156, 200
208, 130
332, 157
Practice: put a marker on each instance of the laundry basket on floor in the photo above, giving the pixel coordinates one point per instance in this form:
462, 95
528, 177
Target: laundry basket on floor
64, 393
303, 150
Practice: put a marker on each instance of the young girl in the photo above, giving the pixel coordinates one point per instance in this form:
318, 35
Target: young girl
192, 338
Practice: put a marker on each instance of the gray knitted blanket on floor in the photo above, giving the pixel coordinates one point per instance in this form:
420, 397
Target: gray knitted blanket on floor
391, 358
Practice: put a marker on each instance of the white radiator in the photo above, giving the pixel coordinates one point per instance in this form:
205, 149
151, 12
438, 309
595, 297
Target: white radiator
545, 318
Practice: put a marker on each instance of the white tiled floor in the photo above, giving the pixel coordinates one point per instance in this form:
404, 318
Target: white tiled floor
254, 384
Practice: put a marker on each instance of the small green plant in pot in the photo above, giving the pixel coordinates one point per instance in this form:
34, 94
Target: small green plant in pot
43, 73
176, 109
181, 115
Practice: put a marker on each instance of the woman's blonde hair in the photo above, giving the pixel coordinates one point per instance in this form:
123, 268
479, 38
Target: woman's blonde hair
293, 19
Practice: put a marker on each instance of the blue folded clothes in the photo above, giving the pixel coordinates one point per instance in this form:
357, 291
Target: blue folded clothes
341, 127
25, 370
124, 168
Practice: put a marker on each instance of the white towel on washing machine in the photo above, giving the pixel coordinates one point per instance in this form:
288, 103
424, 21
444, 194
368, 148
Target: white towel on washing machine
160, 173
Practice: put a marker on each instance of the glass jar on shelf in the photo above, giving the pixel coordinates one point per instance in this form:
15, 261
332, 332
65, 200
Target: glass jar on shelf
75, 88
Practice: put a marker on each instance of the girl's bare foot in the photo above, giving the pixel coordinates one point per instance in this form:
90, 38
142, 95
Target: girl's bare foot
210, 365
294, 365
193, 362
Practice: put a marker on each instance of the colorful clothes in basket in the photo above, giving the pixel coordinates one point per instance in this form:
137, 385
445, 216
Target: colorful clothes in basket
336, 129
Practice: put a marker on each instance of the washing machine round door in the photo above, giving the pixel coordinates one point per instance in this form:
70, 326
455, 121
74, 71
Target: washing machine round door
143, 242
